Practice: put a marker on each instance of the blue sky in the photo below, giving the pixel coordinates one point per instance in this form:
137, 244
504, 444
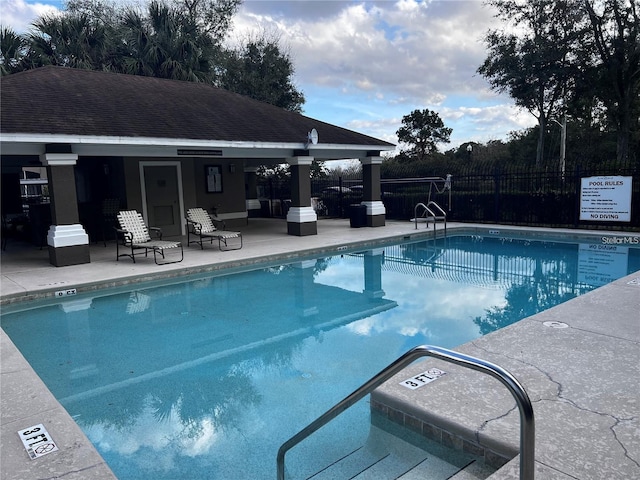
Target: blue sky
363, 65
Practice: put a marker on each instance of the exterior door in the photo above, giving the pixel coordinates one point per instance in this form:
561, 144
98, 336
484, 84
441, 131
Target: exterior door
163, 198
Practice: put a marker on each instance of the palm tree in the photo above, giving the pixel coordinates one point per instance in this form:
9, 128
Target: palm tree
73, 40
13, 48
166, 44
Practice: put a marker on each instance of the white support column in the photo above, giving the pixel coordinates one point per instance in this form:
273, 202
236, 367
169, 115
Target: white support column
373, 260
374, 208
67, 235
376, 213
58, 159
304, 287
67, 239
301, 217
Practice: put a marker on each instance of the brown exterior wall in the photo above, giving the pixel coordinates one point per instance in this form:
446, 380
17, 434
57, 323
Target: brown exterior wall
189, 183
232, 197
230, 200
132, 184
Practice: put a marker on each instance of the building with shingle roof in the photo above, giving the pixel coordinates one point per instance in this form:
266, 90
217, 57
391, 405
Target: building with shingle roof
160, 146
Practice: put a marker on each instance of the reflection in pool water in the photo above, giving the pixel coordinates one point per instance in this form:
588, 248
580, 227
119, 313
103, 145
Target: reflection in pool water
206, 378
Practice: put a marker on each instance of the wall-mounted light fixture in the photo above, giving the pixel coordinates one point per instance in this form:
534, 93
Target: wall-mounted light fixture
232, 168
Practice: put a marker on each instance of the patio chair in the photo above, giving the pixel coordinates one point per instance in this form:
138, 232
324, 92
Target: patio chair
200, 224
134, 234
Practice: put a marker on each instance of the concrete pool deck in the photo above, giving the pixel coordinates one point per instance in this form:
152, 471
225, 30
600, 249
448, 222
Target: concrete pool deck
583, 380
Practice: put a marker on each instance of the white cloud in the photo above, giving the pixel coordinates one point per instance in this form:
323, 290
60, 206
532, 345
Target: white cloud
387, 58
19, 15
404, 47
163, 443
384, 128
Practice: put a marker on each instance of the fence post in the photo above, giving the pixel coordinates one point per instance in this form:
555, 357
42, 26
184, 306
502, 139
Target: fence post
270, 197
340, 197
577, 192
496, 195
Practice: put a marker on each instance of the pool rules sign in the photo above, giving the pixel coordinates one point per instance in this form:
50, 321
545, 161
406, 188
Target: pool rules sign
606, 199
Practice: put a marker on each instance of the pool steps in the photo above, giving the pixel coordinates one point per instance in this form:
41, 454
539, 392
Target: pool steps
430, 212
386, 456
451, 358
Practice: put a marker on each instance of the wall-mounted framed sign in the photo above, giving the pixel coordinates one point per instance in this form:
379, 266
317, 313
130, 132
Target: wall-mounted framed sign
213, 177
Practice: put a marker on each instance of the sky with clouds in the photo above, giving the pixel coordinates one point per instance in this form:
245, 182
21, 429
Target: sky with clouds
363, 65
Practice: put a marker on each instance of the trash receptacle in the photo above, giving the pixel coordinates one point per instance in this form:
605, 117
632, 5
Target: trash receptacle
265, 208
358, 215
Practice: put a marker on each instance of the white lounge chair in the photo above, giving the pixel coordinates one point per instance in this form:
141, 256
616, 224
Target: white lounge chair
134, 234
200, 224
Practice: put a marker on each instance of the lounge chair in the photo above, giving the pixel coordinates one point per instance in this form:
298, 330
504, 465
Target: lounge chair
200, 224
134, 234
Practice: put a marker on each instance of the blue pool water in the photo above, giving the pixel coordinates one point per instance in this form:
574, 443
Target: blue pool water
206, 377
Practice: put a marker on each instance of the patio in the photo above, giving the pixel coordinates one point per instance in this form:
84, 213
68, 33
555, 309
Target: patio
27, 273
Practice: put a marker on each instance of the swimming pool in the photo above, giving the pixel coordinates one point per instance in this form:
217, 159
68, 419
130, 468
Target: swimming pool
216, 372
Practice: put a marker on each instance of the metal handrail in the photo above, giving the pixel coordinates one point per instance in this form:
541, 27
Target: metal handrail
443, 214
527, 425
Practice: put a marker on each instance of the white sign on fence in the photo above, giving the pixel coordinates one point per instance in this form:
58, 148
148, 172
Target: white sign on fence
606, 199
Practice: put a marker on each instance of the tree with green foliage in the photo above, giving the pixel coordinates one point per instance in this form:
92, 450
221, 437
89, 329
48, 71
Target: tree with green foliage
166, 44
261, 70
423, 130
614, 40
352, 168
534, 61
212, 17
282, 171
102, 11
73, 40
176, 39
13, 48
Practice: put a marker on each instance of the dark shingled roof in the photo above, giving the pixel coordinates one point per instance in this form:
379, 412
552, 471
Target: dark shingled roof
66, 101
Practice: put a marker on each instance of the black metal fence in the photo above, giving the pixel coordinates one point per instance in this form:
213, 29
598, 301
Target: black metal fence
526, 196
481, 193
330, 196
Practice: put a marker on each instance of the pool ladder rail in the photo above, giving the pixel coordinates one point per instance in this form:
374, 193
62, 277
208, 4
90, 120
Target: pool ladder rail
527, 424
430, 212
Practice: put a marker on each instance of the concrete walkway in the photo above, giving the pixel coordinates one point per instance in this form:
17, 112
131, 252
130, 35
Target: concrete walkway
583, 380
